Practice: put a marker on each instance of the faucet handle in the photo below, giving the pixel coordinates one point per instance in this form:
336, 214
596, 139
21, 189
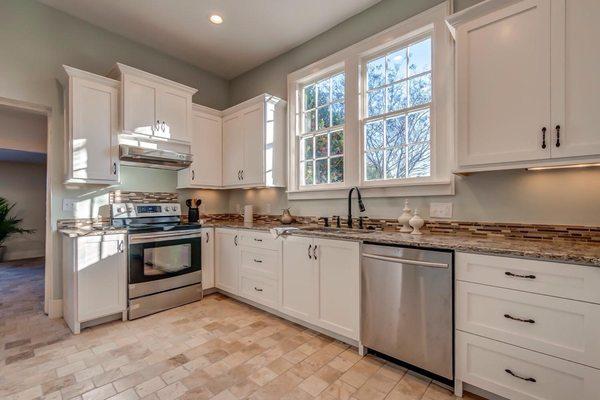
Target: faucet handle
325, 221
360, 222
336, 218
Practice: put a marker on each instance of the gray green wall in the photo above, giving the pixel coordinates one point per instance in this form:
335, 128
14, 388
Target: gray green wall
561, 197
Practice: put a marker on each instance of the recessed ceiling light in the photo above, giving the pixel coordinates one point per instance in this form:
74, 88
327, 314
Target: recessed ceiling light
216, 19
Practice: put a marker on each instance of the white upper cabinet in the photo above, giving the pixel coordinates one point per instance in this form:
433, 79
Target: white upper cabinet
92, 128
154, 106
254, 143
575, 78
526, 87
206, 148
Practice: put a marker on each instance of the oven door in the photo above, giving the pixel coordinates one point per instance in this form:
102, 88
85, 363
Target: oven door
163, 261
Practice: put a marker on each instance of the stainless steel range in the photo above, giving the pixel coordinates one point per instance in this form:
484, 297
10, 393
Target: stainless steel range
164, 260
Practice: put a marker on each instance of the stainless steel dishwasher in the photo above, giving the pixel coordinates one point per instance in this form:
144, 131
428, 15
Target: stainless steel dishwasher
406, 306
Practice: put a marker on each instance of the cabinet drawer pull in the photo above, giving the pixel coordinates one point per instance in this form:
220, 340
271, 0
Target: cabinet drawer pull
529, 321
193, 175
309, 255
507, 273
315, 252
557, 135
235, 241
257, 261
114, 168
508, 371
543, 137
257, 240
207, 237
257, 289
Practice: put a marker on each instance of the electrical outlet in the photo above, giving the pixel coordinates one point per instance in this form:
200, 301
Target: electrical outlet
68, 205
440, 210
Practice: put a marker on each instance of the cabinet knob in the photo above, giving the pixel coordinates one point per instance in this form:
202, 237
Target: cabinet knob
557, 135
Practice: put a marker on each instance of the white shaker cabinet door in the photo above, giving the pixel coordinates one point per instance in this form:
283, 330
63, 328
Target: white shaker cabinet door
253, 126
503, 85
101, 276
227, 260
139, 105
299, 278
173, 109
208, 258
338, 286
233, 150
94, 142
575, 78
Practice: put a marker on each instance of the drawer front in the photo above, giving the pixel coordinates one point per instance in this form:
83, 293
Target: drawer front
558, 327
520, 374
261, 262
261, 240
555, 279
263, 291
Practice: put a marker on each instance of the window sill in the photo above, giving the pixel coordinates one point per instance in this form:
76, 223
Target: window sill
412, 189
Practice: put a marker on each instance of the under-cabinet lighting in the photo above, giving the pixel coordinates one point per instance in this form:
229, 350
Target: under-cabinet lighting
216, 19
564, 166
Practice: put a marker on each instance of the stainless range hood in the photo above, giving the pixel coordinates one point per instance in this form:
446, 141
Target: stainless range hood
153, 158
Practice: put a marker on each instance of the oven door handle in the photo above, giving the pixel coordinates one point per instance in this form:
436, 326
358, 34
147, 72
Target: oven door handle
154, 237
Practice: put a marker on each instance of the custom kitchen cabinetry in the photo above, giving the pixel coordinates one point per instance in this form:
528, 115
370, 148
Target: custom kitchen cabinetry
526, 84
206, 148
154, 106
320, 283
91, 140
254, 143
94, 278
527, 329
207, 252
227, 260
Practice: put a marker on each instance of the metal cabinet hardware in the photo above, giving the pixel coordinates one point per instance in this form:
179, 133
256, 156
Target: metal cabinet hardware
235, 240
114, 168
529, 321
315, 252
258, 240
543, 137
193, 175
257, 289
309, 247
207, 237
507, 273
508, 371
257, 261
557, 135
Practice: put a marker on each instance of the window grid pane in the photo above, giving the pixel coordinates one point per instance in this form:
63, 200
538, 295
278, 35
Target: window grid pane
321, 146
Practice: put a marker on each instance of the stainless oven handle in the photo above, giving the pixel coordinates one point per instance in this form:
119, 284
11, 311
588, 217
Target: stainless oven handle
405, 261
153, 237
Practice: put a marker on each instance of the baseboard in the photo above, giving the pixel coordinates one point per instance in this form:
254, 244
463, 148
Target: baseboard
55, 308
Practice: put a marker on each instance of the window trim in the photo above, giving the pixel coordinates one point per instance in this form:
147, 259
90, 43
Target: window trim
441, 182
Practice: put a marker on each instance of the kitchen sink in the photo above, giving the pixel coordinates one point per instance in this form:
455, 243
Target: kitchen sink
325, 229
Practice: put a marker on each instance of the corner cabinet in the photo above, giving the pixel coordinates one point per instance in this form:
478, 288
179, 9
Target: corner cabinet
207, 150
254, 143
526, 85
94, 278
92, 123
154, 106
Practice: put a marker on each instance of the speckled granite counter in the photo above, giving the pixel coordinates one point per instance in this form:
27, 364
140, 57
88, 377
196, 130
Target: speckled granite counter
584, 253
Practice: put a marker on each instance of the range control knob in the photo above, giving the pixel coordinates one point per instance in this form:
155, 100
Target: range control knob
167, 208
120, 209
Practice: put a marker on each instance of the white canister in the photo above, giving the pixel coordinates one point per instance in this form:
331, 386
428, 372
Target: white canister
248, 214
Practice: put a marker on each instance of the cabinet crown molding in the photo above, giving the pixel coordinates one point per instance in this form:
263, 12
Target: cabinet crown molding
476, 11
265, 97
120, 69
72, 72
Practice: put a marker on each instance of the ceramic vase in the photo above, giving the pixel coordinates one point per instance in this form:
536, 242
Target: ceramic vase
404, 218
417, 223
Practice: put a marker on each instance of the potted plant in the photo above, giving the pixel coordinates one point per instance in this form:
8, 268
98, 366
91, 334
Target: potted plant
9, 226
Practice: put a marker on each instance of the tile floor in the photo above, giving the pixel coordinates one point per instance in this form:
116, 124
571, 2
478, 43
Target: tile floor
214, 349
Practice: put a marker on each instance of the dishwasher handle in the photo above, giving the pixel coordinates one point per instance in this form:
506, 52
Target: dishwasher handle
399, 260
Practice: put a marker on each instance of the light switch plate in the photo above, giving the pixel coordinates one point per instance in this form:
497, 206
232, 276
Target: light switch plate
68, 205
440, 210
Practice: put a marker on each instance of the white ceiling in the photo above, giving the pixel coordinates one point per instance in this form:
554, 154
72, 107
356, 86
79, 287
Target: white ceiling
253, 31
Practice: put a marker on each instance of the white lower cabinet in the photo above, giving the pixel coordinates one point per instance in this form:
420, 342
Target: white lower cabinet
227, 258
320, 283
527, 329
94, 278
207, 252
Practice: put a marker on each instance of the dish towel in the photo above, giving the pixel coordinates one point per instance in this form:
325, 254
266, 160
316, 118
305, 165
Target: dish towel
281, 231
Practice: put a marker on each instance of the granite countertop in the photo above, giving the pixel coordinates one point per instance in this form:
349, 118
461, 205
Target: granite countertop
90, 230
573, 252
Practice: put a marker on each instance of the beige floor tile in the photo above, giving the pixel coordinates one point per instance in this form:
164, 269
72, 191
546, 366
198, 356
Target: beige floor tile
101, 393
313, 385
172, 391
150, 386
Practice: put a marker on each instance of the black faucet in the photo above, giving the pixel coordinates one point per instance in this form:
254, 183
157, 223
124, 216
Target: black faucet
361, 205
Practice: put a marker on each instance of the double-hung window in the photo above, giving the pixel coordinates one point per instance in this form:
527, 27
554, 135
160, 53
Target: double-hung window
397, 108
322, 131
